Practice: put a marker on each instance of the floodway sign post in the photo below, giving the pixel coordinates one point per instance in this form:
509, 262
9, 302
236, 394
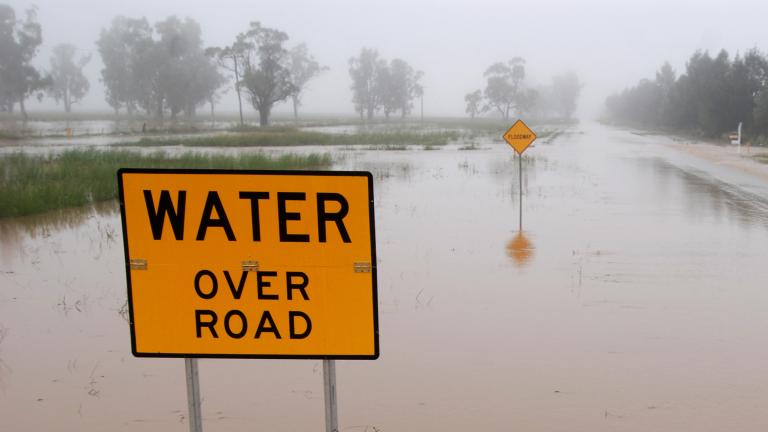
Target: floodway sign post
250, 264
520, 136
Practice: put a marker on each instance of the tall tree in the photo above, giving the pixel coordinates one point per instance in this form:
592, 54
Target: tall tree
232, 58
366, 71
187, 78
710, 98
473, 101
401, 87
502, 89
127, 51
157, 70
266, 77
19, 41
69, 84
302, 67
757, 65
527, 100
566, 89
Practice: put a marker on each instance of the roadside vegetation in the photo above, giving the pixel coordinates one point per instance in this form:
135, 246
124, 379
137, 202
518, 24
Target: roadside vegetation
290, 137
707, 100
32, 184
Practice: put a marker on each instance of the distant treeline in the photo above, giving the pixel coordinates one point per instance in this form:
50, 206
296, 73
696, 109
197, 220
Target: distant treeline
709, 99
163, 70
506, 92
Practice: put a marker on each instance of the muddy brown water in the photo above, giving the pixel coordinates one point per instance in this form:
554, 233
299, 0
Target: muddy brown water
634, 299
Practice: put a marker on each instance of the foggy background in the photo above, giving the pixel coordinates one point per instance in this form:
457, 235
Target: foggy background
609, 44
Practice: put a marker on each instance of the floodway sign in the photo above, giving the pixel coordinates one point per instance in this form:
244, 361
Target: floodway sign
253, 264
519, 136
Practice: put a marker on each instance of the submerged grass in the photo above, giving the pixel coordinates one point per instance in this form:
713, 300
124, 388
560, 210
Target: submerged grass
289, 137
32, 184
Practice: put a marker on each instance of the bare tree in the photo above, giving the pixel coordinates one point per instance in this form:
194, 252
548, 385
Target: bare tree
232, 58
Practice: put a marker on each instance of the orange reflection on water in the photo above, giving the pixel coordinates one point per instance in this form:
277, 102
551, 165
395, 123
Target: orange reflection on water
520, 249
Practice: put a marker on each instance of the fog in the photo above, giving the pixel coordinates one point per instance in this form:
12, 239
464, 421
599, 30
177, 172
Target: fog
609, 44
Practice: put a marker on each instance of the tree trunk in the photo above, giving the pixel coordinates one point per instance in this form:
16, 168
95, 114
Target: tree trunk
263, 116
295, 108
23, 108
237, 89
159, 113
67, 101
422, 107
370, 113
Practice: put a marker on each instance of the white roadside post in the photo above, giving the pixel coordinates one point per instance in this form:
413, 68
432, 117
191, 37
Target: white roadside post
736, 138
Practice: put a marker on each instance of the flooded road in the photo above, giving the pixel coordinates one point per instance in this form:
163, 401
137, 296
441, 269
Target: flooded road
634, 299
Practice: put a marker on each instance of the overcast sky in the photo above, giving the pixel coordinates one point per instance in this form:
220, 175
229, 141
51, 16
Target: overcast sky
609, 44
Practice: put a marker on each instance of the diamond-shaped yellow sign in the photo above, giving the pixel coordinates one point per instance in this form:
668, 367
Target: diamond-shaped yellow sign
519, 136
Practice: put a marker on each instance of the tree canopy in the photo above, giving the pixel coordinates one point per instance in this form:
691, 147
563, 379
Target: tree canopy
157, 70
710, 98
266, 76
381, 85
68, 83
507, 92
19, 42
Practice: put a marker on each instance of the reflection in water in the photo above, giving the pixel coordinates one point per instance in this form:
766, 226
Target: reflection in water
707, 195
41, 225
667, 313
3, 366
520, 249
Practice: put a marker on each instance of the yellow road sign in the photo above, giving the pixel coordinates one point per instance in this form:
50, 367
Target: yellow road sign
258, 264
519, 136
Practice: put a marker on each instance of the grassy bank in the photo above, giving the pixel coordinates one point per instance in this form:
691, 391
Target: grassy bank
291, 137
33, 183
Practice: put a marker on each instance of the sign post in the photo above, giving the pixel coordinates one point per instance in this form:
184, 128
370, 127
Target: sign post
250, 264
193, 395
329, 390
520, 136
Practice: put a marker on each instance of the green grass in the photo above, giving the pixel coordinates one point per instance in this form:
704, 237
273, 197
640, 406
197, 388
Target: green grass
32, 184
388, 147
5, 135
289, 137
762, 158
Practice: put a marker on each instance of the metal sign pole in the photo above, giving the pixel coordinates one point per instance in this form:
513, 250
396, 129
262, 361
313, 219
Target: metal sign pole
329, 385
193, 395
520, 170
